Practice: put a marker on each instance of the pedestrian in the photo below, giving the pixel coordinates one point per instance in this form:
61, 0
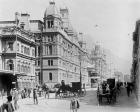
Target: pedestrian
128, 89
15, 98
74, 105
29, 92
8, 105
35, 96
47, 93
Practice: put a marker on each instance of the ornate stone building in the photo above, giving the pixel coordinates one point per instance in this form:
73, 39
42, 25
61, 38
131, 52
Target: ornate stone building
63, 55
60, 54
17, 59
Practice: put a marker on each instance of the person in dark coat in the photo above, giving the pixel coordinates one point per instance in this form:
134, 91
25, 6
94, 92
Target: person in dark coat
35, 97
128, 89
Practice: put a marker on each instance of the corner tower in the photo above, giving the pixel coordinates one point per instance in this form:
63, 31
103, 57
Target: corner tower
52, 18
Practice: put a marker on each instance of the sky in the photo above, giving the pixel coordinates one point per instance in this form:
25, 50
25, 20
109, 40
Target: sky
109, 22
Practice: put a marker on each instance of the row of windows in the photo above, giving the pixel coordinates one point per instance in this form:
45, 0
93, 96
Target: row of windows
25, 50
23, 68
49, 38
50, 62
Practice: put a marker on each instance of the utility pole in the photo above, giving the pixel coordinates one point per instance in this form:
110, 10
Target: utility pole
80, 73
41, 61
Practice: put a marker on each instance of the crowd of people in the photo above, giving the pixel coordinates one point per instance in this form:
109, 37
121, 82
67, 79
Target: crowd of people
12, 99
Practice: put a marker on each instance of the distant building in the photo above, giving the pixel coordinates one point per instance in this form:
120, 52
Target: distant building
98, 58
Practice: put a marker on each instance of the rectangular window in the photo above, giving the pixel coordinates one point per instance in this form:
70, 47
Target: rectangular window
10, 46
33, 52
50, 76
51, 62
49, 38
17, 46
22, 49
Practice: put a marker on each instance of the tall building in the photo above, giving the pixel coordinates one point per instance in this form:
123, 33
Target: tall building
63, 56
135, 64
55, 47
17, 59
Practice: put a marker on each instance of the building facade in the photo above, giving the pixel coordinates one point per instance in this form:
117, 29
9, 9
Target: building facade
98, 58
136, 62
54, 51
64, 57
17, 60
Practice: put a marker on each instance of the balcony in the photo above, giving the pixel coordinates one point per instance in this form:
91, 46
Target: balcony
17, 31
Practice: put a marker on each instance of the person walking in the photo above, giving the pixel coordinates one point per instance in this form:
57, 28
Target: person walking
29, 92
35, 96
128, 89
74, 105
47, 93
15, 98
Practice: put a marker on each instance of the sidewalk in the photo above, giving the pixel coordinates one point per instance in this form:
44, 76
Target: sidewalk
126, 102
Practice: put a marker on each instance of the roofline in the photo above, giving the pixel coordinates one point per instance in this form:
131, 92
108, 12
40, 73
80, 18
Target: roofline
36, 21
7, 21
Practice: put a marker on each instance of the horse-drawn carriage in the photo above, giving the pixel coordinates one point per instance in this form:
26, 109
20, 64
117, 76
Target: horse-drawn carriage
107, 90
66, 90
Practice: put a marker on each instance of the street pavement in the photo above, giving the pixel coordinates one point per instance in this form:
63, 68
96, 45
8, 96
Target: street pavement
88, 103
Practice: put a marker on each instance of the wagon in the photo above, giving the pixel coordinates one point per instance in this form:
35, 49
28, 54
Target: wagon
110, 95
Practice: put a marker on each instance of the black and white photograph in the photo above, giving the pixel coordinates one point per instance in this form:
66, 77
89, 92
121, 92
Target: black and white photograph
69, 56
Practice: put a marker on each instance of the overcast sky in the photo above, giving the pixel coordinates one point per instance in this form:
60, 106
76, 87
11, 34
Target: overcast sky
110, 22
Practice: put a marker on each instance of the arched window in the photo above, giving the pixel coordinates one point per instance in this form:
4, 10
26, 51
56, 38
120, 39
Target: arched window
49, 24
10, 65
50, 49
50, 76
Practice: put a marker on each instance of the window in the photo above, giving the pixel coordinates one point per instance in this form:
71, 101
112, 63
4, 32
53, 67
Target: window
49, 24
50, 49
50, 76
10, 65
22, 49
52, 24
18, 67
10, 46
17, 46
49, 38
33, 52
22, 25
49, 62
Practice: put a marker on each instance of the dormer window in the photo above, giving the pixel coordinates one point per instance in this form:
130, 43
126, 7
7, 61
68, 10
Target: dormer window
22, 25
50, 24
